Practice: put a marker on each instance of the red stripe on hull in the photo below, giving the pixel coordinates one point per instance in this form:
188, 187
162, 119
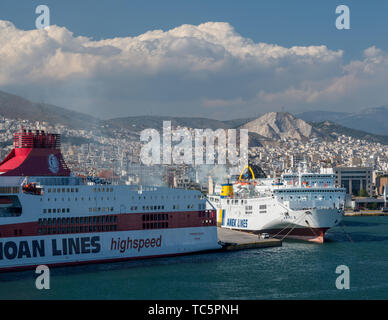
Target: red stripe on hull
125, 222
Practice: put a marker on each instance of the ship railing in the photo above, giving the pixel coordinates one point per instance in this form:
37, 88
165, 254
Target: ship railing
315, 207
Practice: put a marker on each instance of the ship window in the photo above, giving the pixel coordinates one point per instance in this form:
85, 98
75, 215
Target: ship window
72, 189
49, 190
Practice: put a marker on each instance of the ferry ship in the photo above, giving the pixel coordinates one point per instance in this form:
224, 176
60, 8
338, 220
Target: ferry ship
50, 216
301, 205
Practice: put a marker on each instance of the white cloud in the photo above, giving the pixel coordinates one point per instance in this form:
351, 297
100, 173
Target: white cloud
186, 70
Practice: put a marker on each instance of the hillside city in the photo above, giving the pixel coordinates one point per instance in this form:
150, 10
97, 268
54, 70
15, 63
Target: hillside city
114, 154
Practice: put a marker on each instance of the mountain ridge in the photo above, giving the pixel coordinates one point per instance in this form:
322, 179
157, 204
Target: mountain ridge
270, 127
16, 107
373, 120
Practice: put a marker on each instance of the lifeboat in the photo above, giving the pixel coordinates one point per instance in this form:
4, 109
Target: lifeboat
32, 188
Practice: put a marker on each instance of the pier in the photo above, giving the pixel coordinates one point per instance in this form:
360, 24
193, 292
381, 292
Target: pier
239, 240
369, 213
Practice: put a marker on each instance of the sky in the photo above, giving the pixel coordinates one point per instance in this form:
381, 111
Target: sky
217, 59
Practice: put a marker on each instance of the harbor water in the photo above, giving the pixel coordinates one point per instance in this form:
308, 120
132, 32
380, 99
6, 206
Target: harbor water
297, 270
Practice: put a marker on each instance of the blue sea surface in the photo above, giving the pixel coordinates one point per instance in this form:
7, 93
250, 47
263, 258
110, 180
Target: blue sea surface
297, 270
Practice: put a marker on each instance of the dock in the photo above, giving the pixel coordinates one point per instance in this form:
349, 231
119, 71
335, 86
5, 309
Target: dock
239, 240
370, 213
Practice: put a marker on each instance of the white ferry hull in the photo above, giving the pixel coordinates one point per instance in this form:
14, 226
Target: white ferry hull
310, 225
71, 249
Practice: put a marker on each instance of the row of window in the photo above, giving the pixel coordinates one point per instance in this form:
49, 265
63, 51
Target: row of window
164, 224
9, 189
56, 210
78, 220
201, 197
101, 209
155, 217
82, 199
236, 201
63, 190
155, 225
205, 214
189, 206
150, 208
305, 198
76, 229
102, 189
